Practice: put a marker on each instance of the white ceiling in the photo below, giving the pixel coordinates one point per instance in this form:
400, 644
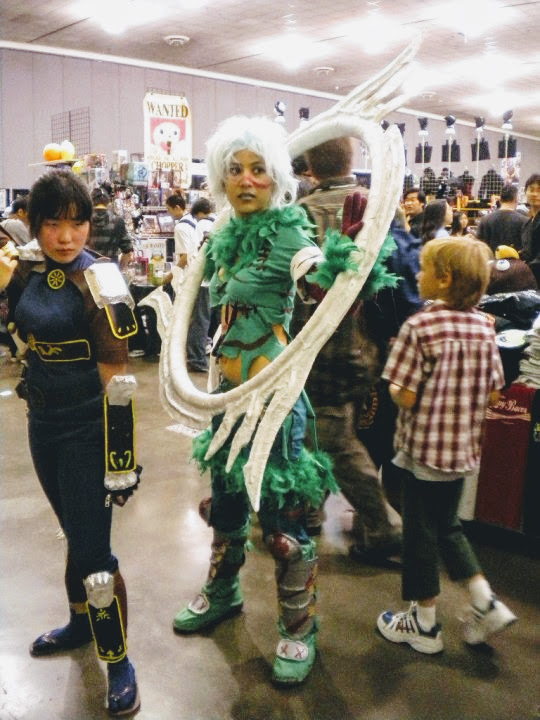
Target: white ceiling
478, 57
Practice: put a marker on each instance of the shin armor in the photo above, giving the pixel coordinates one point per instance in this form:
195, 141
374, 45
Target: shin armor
296, 571
106, 617
228, 555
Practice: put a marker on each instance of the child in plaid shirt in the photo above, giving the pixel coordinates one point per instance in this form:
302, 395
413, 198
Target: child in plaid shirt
444, 368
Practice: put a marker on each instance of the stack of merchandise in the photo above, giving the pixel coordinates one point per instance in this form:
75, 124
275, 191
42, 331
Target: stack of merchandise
529, 367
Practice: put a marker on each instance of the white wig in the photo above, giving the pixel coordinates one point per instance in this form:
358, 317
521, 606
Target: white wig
263, 137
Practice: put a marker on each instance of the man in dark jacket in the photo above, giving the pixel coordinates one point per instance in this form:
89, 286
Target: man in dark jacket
531, 231
414, 201
108, 234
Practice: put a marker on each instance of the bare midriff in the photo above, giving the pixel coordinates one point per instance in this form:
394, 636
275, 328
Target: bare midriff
231, 368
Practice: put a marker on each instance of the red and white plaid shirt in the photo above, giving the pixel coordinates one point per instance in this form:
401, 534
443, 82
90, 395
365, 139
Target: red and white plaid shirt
450, 360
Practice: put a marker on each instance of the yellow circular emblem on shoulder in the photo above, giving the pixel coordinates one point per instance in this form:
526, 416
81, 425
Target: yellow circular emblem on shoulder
56, 279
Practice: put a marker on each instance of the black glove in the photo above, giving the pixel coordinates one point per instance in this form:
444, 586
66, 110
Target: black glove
120, 497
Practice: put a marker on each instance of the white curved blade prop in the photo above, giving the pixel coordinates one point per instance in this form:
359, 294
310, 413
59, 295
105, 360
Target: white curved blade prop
276, 388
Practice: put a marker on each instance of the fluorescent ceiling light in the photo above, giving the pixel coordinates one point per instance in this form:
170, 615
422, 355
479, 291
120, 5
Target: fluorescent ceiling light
497, 102
374, 32
471, 19
291, 50
115, 17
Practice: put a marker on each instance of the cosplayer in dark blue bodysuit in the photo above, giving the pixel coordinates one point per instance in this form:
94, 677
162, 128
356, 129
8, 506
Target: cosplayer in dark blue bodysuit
75, 377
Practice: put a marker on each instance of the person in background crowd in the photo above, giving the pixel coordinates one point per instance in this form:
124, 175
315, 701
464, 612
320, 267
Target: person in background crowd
345, 371
303, 175
80, 420
443, 366
437, 218
17, 223
460, 223
185, 236
414, 201
531, 231
505, 225
385, 313
252, 262
199, 329
108, 234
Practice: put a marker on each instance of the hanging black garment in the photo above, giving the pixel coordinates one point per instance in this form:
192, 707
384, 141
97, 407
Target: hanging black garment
482, 148
507, 150
455, 152
427, 153
445, 152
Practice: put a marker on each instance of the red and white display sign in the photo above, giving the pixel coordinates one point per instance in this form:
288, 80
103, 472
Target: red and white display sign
168, 138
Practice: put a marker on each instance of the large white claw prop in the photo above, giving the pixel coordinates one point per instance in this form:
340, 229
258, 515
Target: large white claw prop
277, 387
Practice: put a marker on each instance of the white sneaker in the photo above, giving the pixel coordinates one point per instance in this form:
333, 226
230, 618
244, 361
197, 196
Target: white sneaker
403, 627
479, 625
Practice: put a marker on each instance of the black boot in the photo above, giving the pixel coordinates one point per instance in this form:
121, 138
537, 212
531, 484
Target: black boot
73, 635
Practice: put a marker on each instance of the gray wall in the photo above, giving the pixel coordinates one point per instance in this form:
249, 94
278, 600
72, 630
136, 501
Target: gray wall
36, 86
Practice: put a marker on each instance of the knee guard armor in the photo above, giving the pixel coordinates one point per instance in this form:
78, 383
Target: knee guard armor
296, 571
105, 617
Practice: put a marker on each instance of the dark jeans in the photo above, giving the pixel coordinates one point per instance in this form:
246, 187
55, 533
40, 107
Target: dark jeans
355, 472
198, 331
69, 459
231, 511
431, 527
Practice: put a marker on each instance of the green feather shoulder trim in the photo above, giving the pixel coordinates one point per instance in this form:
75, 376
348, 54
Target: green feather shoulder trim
338, 249
239, 242
380, 277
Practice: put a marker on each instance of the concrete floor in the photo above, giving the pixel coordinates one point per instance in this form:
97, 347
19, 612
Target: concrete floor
224, 674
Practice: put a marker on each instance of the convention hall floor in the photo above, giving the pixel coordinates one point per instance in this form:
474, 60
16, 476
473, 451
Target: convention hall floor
224, 674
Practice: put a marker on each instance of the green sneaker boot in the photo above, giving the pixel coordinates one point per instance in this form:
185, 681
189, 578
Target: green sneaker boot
294, 659
218, 600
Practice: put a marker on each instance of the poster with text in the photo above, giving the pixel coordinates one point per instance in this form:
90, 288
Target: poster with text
167, 139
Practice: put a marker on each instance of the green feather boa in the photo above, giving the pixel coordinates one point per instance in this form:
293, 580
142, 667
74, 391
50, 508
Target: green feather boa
337, 249
239, 242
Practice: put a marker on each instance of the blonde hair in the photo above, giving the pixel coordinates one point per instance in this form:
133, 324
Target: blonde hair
468, 262
263, 137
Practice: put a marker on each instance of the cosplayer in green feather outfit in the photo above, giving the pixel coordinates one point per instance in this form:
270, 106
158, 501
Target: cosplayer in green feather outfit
249, 261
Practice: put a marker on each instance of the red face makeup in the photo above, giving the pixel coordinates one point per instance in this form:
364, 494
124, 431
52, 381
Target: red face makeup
248, 185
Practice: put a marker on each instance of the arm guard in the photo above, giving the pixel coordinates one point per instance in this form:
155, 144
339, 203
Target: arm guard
120, 467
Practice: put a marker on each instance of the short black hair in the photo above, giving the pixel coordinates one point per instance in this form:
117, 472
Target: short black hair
100, 196
20, 203
202, 205
176, 200
411, 191
509, 193
533, 179
57, 195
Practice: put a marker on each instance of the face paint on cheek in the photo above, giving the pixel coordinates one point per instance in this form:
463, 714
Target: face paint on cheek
260, 184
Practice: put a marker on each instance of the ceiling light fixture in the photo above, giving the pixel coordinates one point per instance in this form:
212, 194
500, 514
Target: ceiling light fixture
323, 70
423, 122
480, 122
176, 40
